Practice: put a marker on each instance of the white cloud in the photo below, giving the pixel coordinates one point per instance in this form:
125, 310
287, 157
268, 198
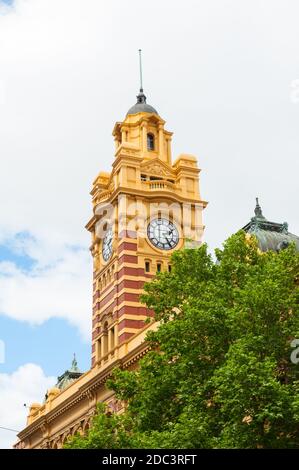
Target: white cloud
59, 289
28, 384
218, 72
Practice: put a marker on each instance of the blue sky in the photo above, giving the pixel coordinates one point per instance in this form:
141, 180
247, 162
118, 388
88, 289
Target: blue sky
21, 260
226, 80
11, 250
39, 348
51, 344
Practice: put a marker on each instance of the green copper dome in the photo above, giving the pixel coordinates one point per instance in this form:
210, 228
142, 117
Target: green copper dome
270, 235
69, 375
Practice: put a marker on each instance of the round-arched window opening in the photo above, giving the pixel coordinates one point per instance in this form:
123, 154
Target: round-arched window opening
150, 142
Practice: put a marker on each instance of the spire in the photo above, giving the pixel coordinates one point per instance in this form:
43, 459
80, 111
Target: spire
258, 210
69, 376
140, 70
74, 367
141, 98
141, 106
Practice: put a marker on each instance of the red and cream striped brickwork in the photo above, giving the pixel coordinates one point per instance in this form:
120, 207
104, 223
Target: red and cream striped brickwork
143, 183
116, 301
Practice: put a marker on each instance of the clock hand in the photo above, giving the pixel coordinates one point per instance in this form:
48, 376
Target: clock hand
159, 230
167, 239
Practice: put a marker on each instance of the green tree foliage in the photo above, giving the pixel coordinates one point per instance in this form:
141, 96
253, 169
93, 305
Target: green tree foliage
219, 373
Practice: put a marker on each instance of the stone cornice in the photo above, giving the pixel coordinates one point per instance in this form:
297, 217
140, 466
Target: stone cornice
85, 391
155, 194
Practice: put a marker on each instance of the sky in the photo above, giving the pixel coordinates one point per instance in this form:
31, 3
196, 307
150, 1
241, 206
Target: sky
224, 74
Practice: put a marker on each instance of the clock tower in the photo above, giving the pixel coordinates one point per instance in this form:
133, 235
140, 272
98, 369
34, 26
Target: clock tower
147, 207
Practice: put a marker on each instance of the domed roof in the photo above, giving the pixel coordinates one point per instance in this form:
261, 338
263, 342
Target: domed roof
141, 106
69, 376
270, 235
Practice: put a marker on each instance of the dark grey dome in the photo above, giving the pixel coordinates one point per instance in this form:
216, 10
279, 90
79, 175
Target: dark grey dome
141, 106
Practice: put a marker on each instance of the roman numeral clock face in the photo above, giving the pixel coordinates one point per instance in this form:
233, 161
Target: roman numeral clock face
163, 234
107, 249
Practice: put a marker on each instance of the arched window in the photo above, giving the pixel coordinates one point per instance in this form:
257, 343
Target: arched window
86, 427
147, 267
150, 142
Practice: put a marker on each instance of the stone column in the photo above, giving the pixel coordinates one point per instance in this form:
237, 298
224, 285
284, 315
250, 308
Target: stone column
161, 141
144, 136
109, 340
123, 135
116, 340
102, 346
98, 350
168, 149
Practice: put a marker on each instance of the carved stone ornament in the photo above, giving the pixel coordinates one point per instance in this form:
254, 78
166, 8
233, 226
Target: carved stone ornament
45, 445
157, 170
44, 429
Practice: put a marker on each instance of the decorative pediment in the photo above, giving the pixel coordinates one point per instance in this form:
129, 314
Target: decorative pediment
157, 168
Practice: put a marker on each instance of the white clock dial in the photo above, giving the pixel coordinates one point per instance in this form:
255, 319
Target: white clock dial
163, 234
107, 249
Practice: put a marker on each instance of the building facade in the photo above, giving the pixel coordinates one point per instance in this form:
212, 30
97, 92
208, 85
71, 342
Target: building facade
144, 209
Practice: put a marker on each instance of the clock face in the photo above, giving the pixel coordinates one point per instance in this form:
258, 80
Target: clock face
163, 234
107, 245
